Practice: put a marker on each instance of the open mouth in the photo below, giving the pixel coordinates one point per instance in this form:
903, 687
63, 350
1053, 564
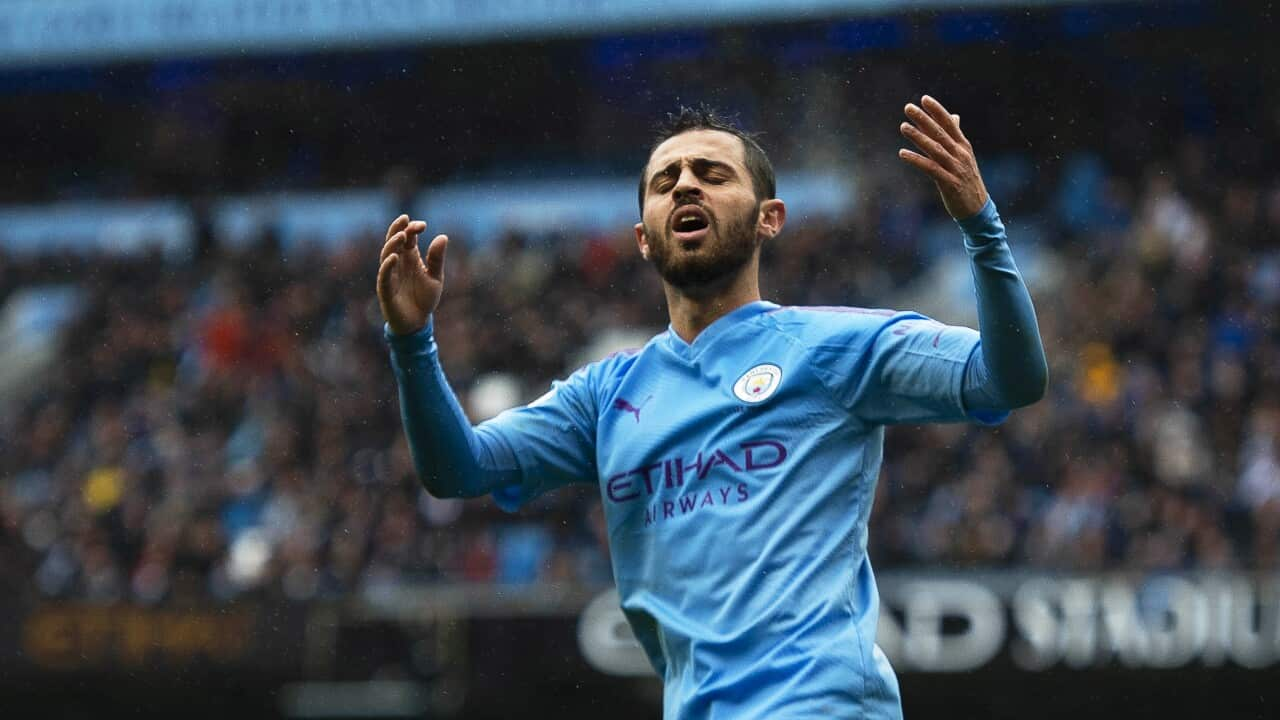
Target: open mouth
690, 223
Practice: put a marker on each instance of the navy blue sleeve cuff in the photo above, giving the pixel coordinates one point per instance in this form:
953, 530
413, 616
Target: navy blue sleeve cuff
985, 225
413, 342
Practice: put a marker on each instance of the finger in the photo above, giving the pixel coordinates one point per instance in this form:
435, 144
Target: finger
397, 225
928, 166
407, 245
942, 116
386, 274
929, 126
930, 147
435, 257
394, 244
400, 243
411, 234
960, 132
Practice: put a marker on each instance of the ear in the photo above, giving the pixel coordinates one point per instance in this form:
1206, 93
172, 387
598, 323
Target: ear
641, 242
773, 215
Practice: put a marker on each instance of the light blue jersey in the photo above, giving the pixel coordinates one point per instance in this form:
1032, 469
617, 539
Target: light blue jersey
737, 474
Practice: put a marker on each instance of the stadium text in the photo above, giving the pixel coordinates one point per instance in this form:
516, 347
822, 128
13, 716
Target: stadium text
68, 637
932, 624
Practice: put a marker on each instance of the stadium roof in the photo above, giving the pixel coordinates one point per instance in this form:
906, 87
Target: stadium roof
44, 32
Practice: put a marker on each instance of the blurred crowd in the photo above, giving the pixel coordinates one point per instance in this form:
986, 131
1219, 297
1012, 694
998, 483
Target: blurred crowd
230, 425
1158, 446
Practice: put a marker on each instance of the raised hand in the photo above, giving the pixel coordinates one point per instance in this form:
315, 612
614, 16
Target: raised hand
948, 157
409, 288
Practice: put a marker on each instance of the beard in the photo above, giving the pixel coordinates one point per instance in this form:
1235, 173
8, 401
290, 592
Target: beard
724, 252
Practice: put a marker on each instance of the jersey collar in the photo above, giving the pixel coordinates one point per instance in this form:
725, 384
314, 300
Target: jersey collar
722, 325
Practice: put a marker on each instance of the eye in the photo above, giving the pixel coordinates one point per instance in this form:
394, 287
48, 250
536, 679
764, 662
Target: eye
714, 175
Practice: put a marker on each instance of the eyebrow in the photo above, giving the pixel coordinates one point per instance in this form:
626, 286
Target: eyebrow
700, 165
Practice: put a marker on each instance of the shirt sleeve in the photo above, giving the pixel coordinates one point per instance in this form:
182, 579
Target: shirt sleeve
515, 456
552, 439
909, 370
1009, 370
890, 367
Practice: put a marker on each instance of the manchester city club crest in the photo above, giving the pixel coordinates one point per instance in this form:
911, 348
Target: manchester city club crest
758, 384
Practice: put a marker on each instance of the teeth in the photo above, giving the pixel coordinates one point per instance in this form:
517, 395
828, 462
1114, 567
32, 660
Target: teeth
688, 221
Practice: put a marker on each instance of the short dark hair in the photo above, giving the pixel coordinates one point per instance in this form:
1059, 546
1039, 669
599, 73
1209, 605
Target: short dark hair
705, 117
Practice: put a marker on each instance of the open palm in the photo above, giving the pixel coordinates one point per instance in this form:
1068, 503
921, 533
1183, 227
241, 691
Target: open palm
947, 158
409, 286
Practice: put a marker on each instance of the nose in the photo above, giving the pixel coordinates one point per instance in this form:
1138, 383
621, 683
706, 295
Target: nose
687, 187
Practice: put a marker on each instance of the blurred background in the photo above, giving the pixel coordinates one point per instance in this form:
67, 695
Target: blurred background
207, 504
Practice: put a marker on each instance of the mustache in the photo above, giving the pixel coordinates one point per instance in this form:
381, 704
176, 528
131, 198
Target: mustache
711, 217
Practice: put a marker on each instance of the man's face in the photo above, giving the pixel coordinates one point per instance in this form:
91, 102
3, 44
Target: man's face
700, 209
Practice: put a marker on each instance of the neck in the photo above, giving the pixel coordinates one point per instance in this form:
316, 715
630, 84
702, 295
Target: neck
693, 309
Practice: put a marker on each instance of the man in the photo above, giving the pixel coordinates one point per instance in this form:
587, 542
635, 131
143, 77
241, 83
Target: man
737, 452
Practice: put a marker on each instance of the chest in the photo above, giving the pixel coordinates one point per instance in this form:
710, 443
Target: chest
721, 418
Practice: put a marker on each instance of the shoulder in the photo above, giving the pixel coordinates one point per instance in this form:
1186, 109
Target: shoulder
615, 364
816, 326
598, 376
620, 362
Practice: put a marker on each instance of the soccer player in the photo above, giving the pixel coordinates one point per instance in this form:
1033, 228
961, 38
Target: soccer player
736, 453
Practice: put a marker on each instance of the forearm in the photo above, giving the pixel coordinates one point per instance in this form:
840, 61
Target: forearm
451, 458
1009, 369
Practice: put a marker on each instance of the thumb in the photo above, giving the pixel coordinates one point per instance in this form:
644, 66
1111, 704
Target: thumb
435, 257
